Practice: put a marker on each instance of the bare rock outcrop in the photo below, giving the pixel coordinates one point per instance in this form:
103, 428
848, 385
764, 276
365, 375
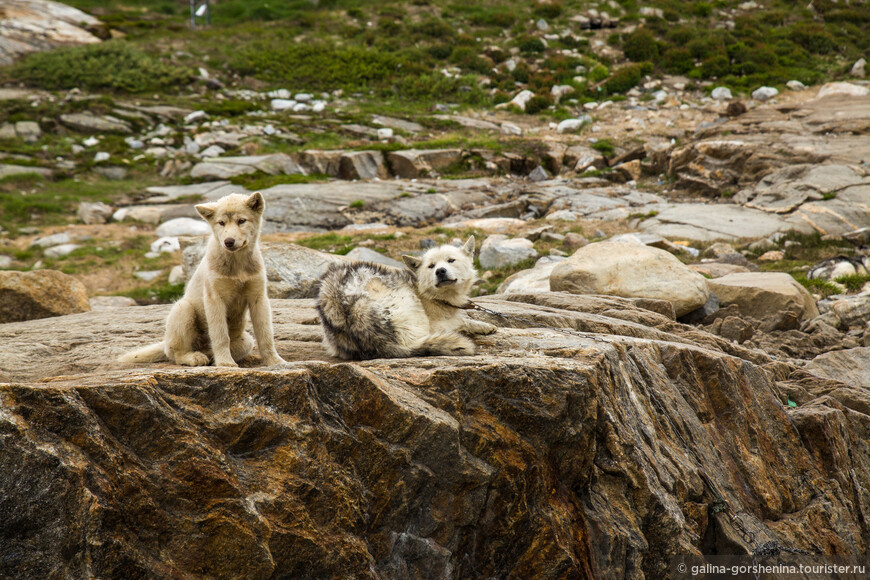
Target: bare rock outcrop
35, 25
40, 294
547, 455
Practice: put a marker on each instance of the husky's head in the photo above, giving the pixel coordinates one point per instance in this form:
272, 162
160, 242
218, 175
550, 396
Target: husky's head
445, 273
234, 219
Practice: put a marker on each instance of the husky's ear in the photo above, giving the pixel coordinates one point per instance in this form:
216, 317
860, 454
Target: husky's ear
256, 202
206, 210
468, 246
412, 262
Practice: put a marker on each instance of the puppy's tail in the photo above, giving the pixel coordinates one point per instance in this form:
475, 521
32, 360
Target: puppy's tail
147, 354
445, 343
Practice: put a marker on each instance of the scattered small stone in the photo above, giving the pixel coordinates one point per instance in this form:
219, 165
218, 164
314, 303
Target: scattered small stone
573, 241
282, 104
91, 142
101, 156
721, 94
572, 125
52, 240
499, 251
148, 275
539, 174
563, 215
111, 302
112, 172
772, 256
858, 70
764, 93
552, 237
796, 85
196, 116
5, 261
213, 151
519, 101
94, 213
134, 143
61, 250
761, 246
427, 243
536, 234
183, 227
511, 129
176, 274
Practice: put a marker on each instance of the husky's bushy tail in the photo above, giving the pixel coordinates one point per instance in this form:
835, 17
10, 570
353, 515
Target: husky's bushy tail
147, 354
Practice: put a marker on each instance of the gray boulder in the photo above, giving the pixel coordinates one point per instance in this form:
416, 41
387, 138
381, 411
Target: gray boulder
499, 251
773, 297
631, 270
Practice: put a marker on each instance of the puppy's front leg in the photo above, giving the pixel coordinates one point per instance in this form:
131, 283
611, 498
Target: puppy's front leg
218, 332
261, 319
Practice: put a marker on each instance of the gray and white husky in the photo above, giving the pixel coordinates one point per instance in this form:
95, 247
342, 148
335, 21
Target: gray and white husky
372, 311
838, 266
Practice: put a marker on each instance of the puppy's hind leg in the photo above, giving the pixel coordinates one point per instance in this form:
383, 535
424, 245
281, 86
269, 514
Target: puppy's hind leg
181, 333
241, 346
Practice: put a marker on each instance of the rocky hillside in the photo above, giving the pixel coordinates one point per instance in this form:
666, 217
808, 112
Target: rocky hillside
547, 455
655, 190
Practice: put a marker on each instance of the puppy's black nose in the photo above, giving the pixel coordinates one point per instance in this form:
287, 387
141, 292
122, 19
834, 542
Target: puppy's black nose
229, 242
441, 272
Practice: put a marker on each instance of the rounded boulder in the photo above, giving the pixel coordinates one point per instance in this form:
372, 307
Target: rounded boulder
631, 271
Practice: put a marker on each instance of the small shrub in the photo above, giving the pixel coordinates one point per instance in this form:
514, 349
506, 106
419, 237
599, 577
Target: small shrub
532, 45
114, 66
551, 9
357, 203
624, 79
604, 146
677, 60
537, 104
641, 46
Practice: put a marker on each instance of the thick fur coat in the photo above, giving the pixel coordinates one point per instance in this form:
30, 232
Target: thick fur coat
230, 281
370, 311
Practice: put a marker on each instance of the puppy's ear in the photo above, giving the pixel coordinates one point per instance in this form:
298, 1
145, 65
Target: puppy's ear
256, 202
206, 210
468, 247
413, 262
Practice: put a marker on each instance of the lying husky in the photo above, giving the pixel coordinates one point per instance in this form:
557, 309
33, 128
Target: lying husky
229, 281
371, 311
838, 266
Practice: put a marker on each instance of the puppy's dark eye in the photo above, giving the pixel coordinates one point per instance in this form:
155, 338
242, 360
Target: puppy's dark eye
241, 221
221, 223
431, 266
451, 260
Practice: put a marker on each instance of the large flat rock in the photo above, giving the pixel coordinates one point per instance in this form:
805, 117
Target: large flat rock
710, 222
547, 455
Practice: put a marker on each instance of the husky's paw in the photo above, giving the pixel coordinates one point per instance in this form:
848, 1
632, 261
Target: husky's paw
477, 327
225, 363
463, 350
193, 359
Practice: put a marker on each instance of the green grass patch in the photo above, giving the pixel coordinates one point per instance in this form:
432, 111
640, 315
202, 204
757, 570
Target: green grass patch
158, 293
331, 242
32, 200
114, 66
816, 286
853, 282
260, 181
